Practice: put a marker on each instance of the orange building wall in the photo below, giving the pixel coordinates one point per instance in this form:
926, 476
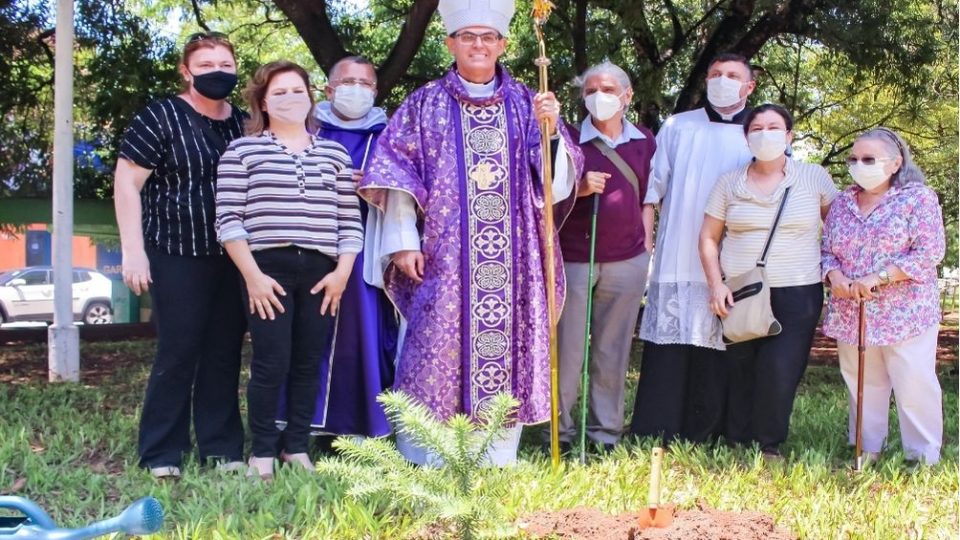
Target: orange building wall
84, 252
13, 250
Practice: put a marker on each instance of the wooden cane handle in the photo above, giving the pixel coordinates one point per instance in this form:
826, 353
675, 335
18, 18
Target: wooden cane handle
656, 464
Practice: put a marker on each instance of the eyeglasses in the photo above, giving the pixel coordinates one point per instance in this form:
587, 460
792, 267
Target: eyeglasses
469, 38
867, 160
350, 81
200, 36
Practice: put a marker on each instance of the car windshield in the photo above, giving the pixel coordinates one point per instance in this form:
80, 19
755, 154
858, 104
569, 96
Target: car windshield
8, 275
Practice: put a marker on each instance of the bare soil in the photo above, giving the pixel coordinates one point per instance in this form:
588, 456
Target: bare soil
703, 523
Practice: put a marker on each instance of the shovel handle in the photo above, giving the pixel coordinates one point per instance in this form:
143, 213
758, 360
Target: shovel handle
656, 464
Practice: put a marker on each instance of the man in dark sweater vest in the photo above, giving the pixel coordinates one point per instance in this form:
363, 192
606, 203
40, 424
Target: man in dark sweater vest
617, 161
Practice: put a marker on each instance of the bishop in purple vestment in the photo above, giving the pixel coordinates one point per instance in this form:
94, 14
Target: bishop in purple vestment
457, 176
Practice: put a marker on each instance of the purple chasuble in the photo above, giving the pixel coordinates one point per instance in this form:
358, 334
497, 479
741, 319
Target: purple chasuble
477, 325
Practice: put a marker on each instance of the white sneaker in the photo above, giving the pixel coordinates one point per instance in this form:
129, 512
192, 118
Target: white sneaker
261, 467
231, 466
165, 472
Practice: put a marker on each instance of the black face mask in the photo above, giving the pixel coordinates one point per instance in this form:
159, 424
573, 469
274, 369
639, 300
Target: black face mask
215, 84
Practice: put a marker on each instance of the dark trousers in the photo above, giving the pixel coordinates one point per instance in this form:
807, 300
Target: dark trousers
764, 373
200, 326
287, 350
681, 393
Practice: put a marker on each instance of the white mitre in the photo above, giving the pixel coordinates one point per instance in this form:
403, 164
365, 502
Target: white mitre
457, 14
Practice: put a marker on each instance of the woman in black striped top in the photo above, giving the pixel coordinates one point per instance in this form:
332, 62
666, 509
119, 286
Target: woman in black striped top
289, 217
164, 194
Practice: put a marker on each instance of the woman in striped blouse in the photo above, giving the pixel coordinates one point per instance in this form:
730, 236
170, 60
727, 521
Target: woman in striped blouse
764, 373
289, 217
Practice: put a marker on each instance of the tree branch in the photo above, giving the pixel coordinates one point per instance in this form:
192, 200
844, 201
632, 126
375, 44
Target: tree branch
315, 28
406, 46
198, 15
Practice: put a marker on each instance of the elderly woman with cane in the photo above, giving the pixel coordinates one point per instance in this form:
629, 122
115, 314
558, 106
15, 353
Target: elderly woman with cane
882, 241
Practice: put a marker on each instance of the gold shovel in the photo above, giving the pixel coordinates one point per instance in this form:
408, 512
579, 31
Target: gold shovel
656, 514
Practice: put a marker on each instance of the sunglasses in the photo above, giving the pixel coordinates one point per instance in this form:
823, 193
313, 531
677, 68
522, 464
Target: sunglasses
867, 160
200, 36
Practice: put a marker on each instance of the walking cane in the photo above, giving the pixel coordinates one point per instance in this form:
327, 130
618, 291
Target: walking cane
861, 353
587, 337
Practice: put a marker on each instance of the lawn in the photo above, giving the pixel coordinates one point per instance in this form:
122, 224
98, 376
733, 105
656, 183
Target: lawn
72, 448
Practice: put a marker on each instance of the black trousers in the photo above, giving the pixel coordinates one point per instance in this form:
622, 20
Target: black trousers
200, 327
764, 373
287, 350
681, 393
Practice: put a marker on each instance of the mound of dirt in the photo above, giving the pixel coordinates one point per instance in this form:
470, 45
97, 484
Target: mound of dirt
702, 524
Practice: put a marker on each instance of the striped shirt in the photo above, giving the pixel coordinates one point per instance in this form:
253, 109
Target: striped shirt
178, 198
794, 257
272, 197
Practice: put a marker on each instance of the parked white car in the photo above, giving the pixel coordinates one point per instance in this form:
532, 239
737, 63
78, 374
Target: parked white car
26, 294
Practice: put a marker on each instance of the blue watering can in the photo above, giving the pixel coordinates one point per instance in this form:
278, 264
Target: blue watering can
142, 517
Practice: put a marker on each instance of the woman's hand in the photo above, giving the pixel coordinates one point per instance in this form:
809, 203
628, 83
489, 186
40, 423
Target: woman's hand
263, 290
864, 287
840, 285
332, 285
720, 299
136, 271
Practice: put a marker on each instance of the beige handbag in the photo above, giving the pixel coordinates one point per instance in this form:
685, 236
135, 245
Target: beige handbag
751, 316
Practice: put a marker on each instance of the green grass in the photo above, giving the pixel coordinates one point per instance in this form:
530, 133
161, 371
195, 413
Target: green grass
75, 448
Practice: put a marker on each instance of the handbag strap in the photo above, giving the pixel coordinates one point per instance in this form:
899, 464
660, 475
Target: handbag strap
200, 126
618, 162
762, 262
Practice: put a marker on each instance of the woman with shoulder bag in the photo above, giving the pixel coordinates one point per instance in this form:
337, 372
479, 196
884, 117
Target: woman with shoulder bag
742, 209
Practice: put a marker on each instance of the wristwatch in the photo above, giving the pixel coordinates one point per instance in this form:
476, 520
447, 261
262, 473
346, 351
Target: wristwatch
884, 276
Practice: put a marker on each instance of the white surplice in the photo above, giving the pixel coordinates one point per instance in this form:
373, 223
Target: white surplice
692, 152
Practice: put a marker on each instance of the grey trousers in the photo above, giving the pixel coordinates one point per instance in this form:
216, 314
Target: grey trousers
617, 294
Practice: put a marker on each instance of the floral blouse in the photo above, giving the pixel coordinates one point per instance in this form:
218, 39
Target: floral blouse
905, 229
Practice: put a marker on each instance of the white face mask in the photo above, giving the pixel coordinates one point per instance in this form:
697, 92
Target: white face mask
868, 176
602, 105
352, 101
767, 145
289, 108
723, 91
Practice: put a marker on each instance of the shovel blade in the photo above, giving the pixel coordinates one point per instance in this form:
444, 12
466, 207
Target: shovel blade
656, 516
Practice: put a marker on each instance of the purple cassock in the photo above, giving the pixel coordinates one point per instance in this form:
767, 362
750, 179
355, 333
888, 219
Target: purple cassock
358, 362
477, 325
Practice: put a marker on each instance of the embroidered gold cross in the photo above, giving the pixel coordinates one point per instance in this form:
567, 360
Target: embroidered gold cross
484, 175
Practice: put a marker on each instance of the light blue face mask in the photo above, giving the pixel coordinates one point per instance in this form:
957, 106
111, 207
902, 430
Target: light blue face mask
352, 101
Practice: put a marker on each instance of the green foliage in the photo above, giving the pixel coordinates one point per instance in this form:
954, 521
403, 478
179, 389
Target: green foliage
455, 491
72, 448
120, 64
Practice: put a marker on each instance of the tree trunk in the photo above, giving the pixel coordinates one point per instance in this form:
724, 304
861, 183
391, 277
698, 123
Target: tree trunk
317, 31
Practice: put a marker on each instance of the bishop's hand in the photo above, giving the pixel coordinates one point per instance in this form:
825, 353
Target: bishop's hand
410, 262
547, 108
